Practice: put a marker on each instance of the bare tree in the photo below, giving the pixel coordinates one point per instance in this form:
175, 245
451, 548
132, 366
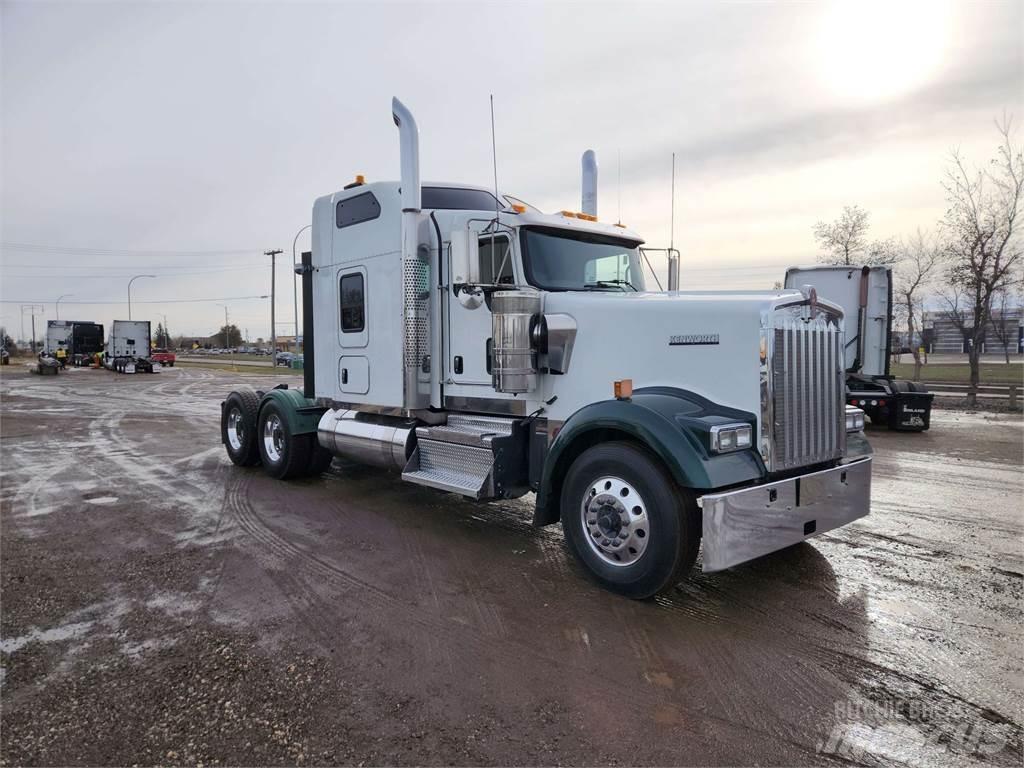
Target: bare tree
919, 260
1005, 322
845, 240
982, 239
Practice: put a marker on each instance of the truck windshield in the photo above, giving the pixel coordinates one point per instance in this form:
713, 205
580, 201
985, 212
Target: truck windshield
560, 260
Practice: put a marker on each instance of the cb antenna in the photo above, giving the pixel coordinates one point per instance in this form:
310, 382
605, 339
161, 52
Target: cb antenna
497, 202
494, 157
672, 213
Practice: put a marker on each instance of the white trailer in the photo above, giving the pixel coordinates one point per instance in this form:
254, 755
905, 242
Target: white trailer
80, 339
128, 347
865, 294
477, 346
58, 334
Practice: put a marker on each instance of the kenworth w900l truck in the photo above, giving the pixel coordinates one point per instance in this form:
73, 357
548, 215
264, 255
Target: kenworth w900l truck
865, 295
477, 346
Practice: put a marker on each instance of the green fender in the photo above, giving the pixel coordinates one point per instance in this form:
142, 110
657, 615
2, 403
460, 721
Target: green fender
672, 423
301, 413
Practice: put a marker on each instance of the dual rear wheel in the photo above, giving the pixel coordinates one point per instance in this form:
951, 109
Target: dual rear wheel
253, 435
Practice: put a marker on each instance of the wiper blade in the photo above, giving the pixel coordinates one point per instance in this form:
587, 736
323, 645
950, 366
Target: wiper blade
607, 283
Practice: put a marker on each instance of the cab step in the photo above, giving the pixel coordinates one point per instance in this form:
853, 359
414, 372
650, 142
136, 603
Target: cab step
457, 456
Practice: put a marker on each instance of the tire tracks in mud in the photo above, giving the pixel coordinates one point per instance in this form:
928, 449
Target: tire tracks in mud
867, 678
432, 633
435, 633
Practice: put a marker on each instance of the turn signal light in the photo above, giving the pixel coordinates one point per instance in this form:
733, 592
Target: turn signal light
586, 217
569, 214
518, 208
623, 389
360, 179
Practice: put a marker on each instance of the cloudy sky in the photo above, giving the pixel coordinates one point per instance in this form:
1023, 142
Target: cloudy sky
184, 139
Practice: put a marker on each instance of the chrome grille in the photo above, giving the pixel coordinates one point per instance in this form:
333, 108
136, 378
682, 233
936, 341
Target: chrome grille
808, 415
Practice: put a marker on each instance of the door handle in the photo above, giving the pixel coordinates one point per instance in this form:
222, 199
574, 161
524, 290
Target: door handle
344, 375
458, 364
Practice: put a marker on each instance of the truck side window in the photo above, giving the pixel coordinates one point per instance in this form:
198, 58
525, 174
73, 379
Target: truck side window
357, 209
353, 319
496, 260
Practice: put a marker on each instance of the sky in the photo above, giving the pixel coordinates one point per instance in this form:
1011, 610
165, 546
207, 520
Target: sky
182, 140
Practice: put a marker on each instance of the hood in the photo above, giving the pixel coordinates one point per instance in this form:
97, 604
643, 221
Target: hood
705, 342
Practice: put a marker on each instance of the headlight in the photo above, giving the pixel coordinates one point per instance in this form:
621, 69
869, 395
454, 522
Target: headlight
730, 437
854, 419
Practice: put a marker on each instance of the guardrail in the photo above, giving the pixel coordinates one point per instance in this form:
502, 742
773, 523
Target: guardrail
992, 391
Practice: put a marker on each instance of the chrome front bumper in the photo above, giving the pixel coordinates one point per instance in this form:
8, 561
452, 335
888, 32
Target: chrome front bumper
741, 525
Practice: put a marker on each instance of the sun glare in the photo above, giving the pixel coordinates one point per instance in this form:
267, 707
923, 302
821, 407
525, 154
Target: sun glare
874, 51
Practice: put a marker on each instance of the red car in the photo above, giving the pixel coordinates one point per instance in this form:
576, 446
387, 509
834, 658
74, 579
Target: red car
163, 356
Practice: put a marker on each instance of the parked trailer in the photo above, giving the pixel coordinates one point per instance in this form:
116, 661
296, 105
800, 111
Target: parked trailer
82, 339
491, 353
865, 294
128, 347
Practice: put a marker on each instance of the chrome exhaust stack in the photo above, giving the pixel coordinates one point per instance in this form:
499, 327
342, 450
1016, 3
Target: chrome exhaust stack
416, 383
589, 183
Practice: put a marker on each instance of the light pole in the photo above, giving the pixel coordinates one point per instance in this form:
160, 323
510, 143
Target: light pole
295, 289
57, 305
167, 334
32, 309
130, 292
227, 341
273, 254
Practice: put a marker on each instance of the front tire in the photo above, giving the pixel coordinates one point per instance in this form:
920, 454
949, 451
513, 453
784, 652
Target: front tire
627, 521
284, 455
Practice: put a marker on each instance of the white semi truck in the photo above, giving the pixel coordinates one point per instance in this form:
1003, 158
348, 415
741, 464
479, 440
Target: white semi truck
475, 345
865, 294
128, 347
80, 339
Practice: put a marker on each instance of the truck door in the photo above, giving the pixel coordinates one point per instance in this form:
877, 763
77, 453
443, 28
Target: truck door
469, 323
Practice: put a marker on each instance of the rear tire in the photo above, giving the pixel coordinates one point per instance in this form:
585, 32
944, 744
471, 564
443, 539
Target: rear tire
284, 455
627, 521
238, 427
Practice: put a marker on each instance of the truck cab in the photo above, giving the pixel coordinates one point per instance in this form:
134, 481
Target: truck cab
478, 346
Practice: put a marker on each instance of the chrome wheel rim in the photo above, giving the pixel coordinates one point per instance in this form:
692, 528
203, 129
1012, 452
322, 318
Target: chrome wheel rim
273, 438
236, 429
614, 519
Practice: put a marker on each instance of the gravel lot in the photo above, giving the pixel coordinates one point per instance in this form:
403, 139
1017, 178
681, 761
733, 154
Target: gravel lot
160, 605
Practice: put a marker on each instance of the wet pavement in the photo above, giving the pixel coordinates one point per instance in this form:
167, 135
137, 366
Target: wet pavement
163, 606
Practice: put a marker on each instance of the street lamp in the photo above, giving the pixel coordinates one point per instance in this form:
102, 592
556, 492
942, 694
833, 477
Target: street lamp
130, 292
62, 296
295, 290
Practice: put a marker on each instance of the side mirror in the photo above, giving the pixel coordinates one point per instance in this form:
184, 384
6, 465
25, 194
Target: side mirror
465, 265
